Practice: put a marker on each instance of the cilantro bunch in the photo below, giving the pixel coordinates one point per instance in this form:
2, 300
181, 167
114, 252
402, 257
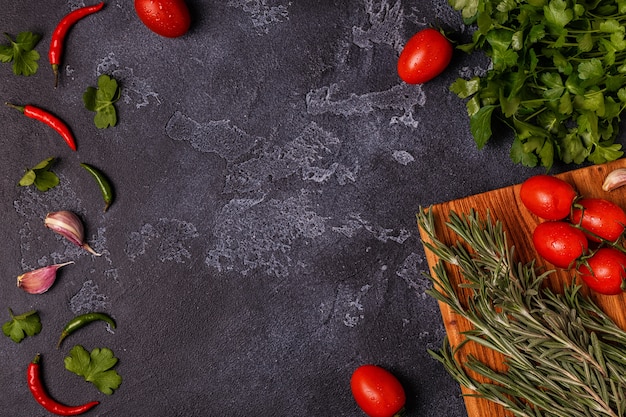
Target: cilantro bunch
558, 77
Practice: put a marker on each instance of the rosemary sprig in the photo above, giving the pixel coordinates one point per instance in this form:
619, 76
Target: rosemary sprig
563, 355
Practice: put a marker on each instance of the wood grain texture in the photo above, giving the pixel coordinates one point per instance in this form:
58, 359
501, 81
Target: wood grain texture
505, 205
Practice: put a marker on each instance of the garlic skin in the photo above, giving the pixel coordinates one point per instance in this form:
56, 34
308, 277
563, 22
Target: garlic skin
614, 179
39, 280
68, 225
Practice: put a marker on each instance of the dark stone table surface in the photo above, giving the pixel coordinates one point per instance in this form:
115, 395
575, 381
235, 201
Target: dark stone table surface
267, 168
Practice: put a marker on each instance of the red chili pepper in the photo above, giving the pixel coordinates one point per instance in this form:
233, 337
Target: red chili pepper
43, 398
58, 36
49, 119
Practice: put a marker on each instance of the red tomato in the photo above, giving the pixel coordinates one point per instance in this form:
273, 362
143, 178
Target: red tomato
377, 391
424, 56
601, 217
559, 243
547, 197
607, 273
169, 18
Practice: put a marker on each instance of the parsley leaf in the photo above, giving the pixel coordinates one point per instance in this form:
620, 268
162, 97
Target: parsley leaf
480, 125
557, 14
101, 100
95, 367
468, 7
41, 176
465, 88
21, 52
27, 324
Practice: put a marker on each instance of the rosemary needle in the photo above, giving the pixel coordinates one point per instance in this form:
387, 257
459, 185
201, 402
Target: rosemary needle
563, 355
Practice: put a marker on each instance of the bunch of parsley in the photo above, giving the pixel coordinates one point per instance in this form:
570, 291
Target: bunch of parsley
558, 77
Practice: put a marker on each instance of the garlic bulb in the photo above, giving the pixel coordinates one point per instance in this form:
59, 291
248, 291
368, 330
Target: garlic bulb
68, 225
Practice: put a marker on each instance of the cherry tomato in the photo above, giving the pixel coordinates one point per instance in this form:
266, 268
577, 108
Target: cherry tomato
424, 56
377, 391
601, 217
547, 197
607, 273
169, 18
559, 243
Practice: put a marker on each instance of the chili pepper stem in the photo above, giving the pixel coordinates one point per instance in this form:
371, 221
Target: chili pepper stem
55, 71
15, 106
400, 413
64, 334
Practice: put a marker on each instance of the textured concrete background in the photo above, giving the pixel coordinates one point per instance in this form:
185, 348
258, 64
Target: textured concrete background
267, 167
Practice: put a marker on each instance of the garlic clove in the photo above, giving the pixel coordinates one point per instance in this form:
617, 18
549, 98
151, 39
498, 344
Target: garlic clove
614, 179
68, 225
39, 280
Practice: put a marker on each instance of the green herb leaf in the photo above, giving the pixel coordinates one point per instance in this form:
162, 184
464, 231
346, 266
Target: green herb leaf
554, 84
573, 149
45, 180
22, 53
603, 153
101, 100
480, 125
591, 70
465, 88
537, 32
502, 55
27, 324
95, 367
6, 53
28, 178
520, 156
469, 8
41, 176
557, 14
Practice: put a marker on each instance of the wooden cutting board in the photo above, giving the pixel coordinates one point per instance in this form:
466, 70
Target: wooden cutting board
505, 205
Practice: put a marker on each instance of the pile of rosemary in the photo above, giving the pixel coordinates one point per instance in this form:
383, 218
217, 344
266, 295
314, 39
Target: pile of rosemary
564, 357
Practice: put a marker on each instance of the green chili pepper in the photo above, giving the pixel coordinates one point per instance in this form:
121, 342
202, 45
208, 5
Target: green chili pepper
103, 183
81, 321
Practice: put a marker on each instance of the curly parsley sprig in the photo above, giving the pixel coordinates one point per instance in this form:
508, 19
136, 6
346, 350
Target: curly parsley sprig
558, 77
563, 354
